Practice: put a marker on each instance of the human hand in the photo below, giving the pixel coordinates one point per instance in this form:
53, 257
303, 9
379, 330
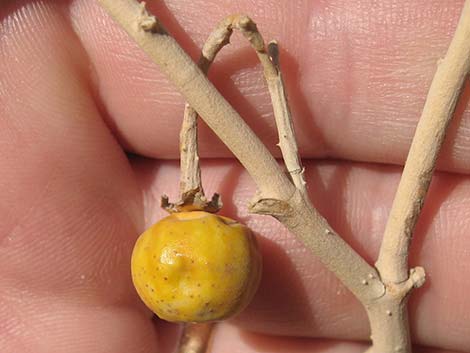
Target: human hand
76, 94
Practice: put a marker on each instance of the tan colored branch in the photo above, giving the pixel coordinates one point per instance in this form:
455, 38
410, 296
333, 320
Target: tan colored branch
299, 216
272, 73
192, 195
429, 136
389, 314
282, 114
190, 181
190, 178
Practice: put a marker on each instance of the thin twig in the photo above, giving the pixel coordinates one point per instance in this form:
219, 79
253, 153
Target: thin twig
429, 136
270, 62
282, 114
192, 195
191, 188
190, 179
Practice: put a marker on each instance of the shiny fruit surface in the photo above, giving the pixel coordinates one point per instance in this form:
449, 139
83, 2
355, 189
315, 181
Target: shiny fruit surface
196, 267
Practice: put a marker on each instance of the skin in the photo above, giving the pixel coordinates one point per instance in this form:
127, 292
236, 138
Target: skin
76, 95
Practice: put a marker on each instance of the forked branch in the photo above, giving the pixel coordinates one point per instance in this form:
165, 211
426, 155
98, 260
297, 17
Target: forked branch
389, 315
278, 195
383, 294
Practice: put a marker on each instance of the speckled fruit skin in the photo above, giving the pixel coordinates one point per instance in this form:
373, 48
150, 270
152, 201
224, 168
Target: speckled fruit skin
196, 267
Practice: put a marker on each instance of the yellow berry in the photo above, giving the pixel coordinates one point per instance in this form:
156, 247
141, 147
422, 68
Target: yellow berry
196, 267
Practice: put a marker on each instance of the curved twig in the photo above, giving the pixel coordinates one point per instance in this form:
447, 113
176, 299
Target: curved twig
269, 60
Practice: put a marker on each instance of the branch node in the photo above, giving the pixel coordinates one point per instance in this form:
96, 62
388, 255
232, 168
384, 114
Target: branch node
300, 170
417, 276
148, 22
270, 206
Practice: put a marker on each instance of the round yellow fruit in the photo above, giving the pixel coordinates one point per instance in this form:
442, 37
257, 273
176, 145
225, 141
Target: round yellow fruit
196, 267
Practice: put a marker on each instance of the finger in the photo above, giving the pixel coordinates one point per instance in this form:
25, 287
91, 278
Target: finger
23, 191
227, 338
362, 66
298, 296
70, 207
58, 158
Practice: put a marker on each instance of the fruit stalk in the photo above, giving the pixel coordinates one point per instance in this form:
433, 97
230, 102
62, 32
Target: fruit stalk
195, 338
